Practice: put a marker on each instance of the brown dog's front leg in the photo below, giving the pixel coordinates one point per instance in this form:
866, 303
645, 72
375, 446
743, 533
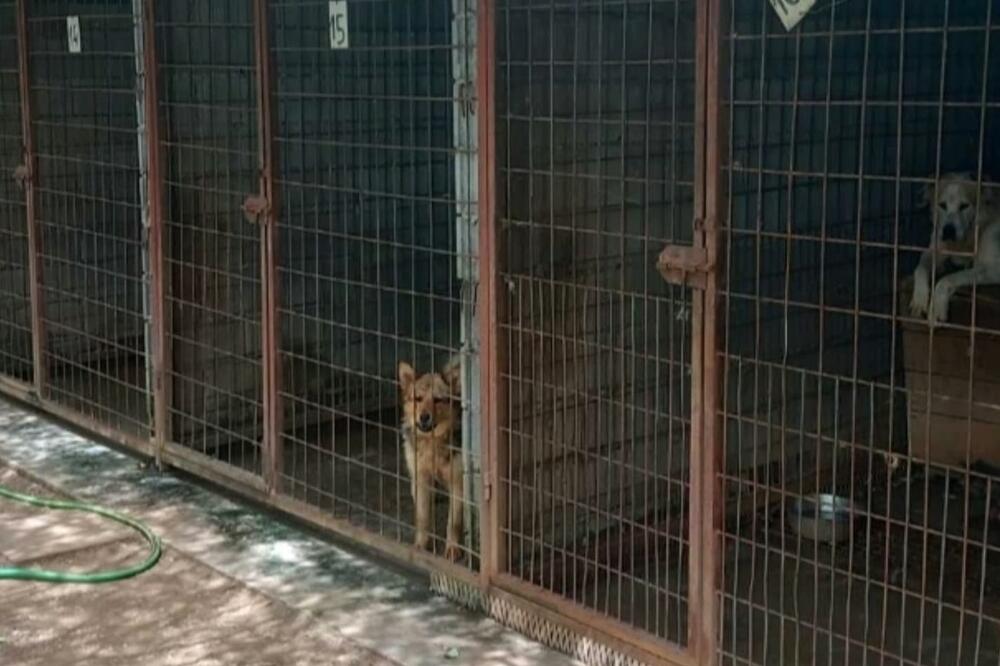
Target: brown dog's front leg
422, 506
456, 493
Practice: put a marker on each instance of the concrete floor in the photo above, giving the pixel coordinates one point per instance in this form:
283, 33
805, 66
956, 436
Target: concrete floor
235, 586
181, 612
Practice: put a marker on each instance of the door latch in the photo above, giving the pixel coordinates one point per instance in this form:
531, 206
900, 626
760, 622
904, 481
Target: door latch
254, 208
684, 265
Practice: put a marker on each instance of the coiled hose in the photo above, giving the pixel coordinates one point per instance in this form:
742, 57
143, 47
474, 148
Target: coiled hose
47, 576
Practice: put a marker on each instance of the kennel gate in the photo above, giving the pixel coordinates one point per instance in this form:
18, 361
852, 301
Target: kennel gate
606, 292
642, 431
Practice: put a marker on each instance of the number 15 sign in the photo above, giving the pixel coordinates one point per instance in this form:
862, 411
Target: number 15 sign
792, 11
339, 38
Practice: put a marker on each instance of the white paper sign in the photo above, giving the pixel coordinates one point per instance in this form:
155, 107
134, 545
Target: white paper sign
339, 38
791, 12
73, 33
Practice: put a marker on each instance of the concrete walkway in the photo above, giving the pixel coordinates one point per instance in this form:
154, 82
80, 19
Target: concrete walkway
234, 586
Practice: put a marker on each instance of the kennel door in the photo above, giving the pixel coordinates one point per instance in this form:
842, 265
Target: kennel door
375, 132
596, 121
87, 210
209, 106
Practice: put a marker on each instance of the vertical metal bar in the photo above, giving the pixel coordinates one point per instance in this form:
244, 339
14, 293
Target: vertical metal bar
466, 265
30, 166
711, 497
272, 442
142, 160
155, 245
492, 395
704, 546
924, 526
969, 416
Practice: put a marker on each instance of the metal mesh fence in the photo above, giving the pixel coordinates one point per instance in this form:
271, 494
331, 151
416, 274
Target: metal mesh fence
596, 157
87, 209
212, 252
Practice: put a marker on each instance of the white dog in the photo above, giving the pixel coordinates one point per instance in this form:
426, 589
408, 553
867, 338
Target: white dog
966, 235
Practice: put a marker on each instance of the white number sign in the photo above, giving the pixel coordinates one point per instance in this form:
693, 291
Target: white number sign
339, 37
73, 33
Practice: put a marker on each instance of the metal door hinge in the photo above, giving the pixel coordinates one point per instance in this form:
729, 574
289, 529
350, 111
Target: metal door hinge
255, 208
684, 265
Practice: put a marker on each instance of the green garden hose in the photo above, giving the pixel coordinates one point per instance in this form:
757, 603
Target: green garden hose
46, 576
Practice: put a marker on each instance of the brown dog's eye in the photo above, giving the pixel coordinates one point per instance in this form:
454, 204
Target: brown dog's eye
438, 401
964, 206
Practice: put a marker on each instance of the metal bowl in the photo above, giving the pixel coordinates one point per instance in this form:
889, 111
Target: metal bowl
823, 517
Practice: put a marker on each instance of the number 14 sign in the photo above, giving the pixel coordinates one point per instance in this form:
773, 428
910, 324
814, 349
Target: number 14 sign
339, 38
792, 11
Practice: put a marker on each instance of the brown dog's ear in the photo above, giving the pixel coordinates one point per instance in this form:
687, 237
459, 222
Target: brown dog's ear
452, 374
406, 376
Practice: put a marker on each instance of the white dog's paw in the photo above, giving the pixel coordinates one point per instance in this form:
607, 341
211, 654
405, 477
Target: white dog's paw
938, 312
919, 302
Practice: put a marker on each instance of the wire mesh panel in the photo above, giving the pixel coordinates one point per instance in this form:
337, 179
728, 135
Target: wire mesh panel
860, 441
376, 144
596, 107
82, 68
208, 111
15, 305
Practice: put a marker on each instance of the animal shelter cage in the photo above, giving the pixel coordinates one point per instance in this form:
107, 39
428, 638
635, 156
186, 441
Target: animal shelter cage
670, 245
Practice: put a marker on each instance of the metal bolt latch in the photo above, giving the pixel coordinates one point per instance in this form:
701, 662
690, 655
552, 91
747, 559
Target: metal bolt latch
684, 265
254, 208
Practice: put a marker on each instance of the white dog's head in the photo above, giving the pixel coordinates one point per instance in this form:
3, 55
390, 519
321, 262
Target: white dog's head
955, 203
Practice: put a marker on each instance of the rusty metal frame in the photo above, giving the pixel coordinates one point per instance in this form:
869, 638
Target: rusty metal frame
706, 449
28, 174
264, 207
155, 246
491, 545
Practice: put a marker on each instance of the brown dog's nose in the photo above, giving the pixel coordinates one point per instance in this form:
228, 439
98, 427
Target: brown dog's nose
425, 421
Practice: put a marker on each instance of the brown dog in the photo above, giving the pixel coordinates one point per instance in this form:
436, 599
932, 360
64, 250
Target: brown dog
431, 418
